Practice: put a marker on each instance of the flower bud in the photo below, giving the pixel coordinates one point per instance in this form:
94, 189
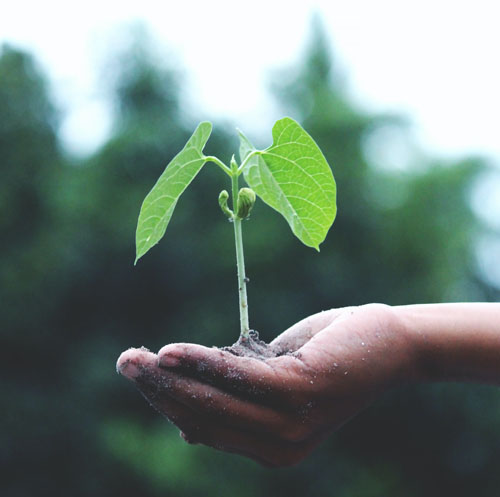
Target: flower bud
246, 199
223, 196
234, 164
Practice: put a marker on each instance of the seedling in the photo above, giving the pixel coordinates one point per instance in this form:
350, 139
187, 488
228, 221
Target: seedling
292, 176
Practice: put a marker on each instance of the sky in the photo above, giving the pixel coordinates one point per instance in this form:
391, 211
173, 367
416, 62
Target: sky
435, 62
432, 61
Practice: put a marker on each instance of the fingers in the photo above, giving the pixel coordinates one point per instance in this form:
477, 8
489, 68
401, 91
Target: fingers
140, 366
199, 429
211, 417
132, 361
230, 410
266, 450
255, 378
160, 386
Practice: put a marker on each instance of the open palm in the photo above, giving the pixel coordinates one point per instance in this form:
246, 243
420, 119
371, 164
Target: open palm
276, 410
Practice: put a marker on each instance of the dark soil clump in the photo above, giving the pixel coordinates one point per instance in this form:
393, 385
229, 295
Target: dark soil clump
253, 347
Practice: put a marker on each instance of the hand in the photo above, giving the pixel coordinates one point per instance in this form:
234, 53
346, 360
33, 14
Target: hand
277, 410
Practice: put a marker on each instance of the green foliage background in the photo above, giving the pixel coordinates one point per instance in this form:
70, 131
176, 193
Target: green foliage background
71, 300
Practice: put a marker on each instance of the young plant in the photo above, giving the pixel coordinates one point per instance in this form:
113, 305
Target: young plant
292, 176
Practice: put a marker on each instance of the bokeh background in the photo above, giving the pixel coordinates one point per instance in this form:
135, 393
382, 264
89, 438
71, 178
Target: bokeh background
413, 226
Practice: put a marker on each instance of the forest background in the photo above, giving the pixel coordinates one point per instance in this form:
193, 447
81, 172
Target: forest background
71, 300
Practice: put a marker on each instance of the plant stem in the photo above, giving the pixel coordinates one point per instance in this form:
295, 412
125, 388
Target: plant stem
247, 159
221, 164
240, 260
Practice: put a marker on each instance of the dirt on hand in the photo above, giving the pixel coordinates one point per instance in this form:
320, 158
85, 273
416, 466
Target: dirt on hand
254, 347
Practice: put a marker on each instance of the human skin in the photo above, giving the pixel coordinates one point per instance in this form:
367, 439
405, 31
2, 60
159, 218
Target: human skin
333, 364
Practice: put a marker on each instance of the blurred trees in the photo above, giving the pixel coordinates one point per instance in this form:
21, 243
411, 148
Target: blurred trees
71, 300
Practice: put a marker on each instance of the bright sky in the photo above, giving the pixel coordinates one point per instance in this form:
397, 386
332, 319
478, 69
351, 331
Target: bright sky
435, 61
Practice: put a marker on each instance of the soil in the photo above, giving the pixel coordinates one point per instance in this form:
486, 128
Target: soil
254, 347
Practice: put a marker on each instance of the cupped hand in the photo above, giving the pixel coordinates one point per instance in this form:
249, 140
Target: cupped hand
275, 411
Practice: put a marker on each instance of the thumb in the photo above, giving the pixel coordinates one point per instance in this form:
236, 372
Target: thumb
300, 333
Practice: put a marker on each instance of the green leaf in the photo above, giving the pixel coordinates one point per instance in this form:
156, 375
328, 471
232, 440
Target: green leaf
245, 146
293, 177
160, 202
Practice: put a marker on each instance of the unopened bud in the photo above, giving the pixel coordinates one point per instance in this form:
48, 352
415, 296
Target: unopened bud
246, 200
223, 196
234, 164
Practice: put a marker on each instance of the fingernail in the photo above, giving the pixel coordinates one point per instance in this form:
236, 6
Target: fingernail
168, 361
129, 370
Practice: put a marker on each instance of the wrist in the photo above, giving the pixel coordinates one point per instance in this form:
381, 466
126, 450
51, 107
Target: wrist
397, 345
407, 350
453, 342
422, 365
